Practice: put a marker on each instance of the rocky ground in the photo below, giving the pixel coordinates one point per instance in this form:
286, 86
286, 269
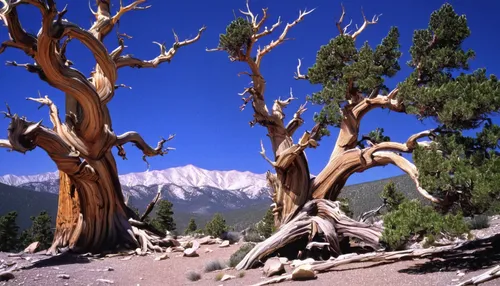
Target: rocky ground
134, 270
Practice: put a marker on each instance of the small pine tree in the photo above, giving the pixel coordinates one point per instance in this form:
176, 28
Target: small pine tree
345, 207
266, 227
40, 230
192, 227
392, 197
134, 209
412, 219
217, 226
164, 220
8, 232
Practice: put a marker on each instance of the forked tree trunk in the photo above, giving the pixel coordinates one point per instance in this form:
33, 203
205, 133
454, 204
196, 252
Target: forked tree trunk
304, 208
92, 215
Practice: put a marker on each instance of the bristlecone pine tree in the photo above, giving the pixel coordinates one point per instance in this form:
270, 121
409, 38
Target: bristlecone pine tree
8, 232
454, 169
92, 215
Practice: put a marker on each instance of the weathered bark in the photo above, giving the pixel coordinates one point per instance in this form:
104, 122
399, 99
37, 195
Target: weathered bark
92, 215
303, 206
316, 218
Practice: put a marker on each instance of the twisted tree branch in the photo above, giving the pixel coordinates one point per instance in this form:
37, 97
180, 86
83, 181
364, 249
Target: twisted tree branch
139, 142
298, 75
282, 37
165, 55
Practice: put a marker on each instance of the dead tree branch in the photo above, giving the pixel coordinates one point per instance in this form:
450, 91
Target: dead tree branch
139, 142
165, 55
298, 75
262, 52
365, 24
151, 205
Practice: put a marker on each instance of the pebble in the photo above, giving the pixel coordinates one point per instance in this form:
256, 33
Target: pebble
63, 276
107, 281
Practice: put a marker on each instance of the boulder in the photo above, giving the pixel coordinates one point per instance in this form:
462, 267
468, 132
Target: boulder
273, 266
225, 243
303, 272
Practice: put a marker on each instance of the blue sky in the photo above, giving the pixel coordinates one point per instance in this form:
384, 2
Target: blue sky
196, 97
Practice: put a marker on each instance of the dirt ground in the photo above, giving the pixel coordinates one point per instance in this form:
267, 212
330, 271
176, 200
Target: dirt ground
448, 269
144, 270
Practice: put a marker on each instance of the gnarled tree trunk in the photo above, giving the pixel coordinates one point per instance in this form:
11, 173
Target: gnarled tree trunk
304, 207
92, 215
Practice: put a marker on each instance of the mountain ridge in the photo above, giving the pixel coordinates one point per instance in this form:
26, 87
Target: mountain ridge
184, 176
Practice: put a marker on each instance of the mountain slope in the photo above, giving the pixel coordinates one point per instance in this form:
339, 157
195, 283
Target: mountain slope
27, 203
238, 207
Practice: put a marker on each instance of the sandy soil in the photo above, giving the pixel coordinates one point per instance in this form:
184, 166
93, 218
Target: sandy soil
449, 269
146, 271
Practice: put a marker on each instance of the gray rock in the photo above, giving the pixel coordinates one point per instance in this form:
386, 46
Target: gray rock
225, 243
63, 276
273, 266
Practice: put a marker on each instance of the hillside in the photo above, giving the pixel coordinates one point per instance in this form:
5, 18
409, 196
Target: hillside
238, 209
27, 203
366, 196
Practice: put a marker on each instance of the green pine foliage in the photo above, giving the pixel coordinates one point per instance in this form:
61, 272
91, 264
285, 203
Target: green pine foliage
217, 226
266, 227
462, 167
237, 37
164, 220
411, 219
392, 197
192, 227
345, 207
8, 232
343, 71
40, 231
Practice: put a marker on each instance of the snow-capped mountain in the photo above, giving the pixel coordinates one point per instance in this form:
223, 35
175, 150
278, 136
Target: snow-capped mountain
182, 182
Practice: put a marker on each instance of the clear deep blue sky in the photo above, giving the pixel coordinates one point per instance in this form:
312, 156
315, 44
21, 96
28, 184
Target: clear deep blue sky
196, 96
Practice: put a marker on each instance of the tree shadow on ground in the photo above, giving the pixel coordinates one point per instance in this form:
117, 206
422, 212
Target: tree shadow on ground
473, 256
61, 259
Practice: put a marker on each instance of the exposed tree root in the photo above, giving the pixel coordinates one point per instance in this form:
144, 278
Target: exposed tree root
486, 276
387, 257
317, 220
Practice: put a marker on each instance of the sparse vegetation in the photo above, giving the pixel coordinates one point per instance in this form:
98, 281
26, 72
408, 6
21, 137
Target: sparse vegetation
219, 276
232, 236
192, 227
217, 226
479, 222
240, 254
214, 265
253, 236
40, 231
193, 275
266, 227
241, 274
